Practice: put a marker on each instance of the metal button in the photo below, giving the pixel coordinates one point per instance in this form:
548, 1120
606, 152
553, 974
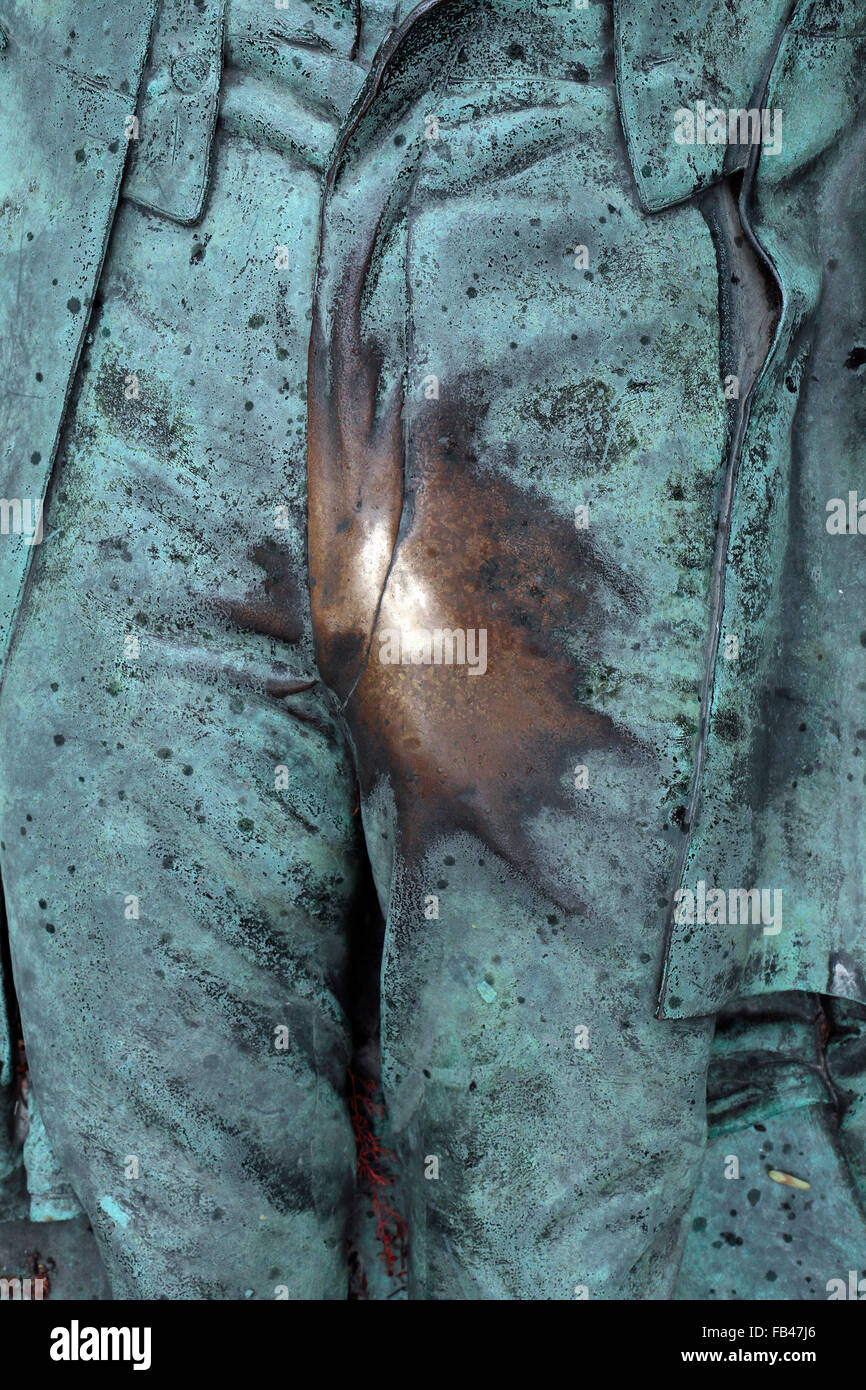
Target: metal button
189, 72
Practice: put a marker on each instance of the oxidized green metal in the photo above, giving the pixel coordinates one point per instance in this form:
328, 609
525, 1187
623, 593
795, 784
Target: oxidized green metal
415, 334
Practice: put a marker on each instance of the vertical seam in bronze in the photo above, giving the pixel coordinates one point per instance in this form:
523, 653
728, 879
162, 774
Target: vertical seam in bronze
720, 561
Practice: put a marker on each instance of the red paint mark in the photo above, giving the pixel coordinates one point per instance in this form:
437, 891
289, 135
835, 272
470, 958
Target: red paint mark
374, 1162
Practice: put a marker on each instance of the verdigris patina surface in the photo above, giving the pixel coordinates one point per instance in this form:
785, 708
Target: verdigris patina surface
425, 425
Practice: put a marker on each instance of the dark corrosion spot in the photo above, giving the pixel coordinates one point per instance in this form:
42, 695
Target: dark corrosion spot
727, 725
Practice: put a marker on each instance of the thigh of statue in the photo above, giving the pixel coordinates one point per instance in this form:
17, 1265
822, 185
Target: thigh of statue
180, 856
517, 435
